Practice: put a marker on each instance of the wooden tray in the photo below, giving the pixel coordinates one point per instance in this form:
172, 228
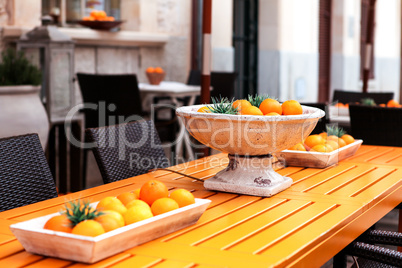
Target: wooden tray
318, 160
86, 249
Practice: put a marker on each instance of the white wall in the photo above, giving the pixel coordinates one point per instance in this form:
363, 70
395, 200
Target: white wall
387, 47
288, 49
221, 37
345, 45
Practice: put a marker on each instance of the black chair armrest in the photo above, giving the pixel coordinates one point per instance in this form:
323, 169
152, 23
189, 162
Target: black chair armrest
381, 237
375, 253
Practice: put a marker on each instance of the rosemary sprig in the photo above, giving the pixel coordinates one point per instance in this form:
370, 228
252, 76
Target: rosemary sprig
257, 99
222, 106
335, 130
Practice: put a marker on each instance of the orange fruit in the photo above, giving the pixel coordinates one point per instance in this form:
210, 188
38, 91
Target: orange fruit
272, 114
137, 193
126, 197
252, 110
110, 220
241, 104
348, 138
323, 135
269, 106
137, 202
314, 140
382, 105
333, 144
111, 203
59, 223
137, 213
392, 103
182, 197
298, 147
163, 205
159, 70
322, 148
340, 141
152, 190
291, 107
340, 104
88, 228
204, 109
333, 137
150, 70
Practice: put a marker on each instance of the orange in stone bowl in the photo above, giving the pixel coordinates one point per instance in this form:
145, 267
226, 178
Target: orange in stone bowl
155, 75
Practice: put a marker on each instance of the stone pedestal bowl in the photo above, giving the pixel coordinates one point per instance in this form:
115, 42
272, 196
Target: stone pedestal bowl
250, 142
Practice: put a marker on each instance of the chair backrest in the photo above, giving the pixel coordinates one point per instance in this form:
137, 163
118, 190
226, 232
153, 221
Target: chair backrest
223, 83
322, 122
376, 125
25, 176
114, 94
353, 96
126, 150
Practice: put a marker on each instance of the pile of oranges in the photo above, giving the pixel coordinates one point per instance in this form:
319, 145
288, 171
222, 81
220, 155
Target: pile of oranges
155, 75
158, 70
390, 103
98, 15
323, 143
269, 107
153, 198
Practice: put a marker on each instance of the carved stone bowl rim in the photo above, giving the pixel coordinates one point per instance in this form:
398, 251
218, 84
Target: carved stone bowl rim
308, 113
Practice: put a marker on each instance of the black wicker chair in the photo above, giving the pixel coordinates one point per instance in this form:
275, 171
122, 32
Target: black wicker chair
371, 255
25, 176
127, 150
343, 96
376, 126
118, 98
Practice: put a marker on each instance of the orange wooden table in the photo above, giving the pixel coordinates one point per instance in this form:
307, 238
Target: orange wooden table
303, 226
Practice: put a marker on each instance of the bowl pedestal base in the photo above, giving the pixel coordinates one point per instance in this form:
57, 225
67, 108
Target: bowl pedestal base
251, 175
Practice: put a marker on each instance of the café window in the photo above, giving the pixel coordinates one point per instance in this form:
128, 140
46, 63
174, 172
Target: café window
68, 12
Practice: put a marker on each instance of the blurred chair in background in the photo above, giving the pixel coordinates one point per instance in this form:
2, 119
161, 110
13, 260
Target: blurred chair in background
222, 83
353, 96
322, 122
117, 100
376, 125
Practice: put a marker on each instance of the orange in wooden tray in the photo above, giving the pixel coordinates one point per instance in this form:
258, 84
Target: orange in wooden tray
137, 213
111, 203
152, 190
110, 220
163, 205
137, 202
59, 223
182, 197
88, 228
126, 197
